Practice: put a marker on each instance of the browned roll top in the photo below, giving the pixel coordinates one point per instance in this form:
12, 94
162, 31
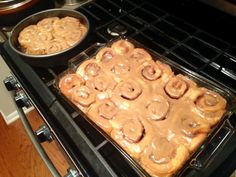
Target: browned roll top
68, 82
92, 69
133, 130
107, 109
162, 151
139, 56
105, 55
157, 108
176, 87
82, 95
130, 90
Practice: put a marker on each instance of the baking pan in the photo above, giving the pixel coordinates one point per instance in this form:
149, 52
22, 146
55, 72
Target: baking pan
48, 60
197, 158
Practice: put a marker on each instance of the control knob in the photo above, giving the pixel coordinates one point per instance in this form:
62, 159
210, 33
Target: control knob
43, 133
10, 83
21, 99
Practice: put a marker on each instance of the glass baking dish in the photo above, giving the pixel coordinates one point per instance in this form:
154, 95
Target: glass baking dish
218, 135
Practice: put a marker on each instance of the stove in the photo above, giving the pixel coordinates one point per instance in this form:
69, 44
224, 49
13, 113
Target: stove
197, 42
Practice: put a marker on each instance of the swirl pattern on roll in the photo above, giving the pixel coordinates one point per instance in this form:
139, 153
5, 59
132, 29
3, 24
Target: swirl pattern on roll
210, 106
122, 47
102, 113
176, 87
132, 133
68, 82
163, 157
82, 95
157, 108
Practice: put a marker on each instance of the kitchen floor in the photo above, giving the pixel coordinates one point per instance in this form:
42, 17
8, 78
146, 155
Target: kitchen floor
19, 158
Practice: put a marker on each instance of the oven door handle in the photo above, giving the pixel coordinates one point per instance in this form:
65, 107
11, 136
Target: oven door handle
34, 139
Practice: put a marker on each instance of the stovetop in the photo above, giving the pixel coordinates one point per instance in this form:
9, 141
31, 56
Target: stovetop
174, 29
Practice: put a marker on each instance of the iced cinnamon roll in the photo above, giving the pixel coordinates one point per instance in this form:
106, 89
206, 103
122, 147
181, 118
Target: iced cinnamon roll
46, 24
121, 68
73, 36
163, 157
105, 55
176, 87
129, 90
150, 71
131, 133
36, 47
89, 68
27, 35
68, 82
82, 96
44, 36
210, 106
186, 127
126, 93
122, 47
157, 108
138, 56
102, 112
63, 26
56, 45
190, 127
102, 85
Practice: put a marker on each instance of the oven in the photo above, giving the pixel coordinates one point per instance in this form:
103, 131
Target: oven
202, 42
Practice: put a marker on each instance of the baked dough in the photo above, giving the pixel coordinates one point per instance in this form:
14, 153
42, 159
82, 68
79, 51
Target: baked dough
157, 117
51, 35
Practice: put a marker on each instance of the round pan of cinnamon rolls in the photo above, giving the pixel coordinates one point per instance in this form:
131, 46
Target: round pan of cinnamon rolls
49, 37
158, 117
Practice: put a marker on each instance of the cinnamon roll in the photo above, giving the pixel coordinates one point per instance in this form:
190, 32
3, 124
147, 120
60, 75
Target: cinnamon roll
163, 157
129, 90
82, 96
101, 83
157, 108
56, 45
138, 56
176, 87
150, 71
36, 47
63, 26
89, 68
105, 55
27, 35
121, 68
68, 82
102, 112
186, 127
210, 106
122, 47
46, 24
73, 36
131, 133
190, 127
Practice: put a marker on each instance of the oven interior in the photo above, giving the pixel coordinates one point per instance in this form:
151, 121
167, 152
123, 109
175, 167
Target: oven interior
197, 42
